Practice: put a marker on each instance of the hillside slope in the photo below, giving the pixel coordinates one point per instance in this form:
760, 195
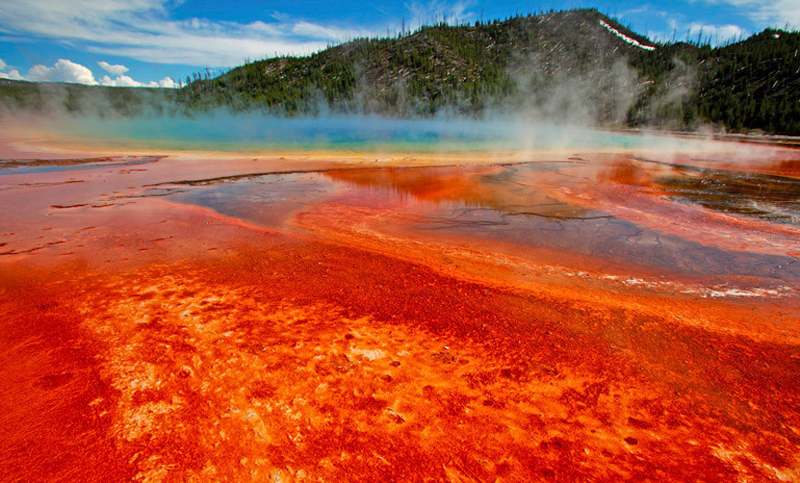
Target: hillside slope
754, 83
523, 62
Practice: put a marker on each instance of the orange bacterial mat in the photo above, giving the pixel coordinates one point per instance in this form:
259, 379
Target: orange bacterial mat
580, 317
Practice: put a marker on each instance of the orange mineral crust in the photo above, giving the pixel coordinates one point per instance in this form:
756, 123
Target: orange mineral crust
592, 317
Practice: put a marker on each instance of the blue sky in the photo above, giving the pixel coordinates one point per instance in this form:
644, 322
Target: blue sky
161, 42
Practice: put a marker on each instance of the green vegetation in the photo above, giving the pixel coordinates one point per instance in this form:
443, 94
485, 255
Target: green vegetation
754, 84
562, 65
748, 85
466, 69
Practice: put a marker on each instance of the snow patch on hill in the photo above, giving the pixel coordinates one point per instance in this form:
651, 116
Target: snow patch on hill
624, 37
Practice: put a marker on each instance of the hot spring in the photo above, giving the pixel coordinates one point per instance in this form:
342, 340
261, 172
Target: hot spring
250, 133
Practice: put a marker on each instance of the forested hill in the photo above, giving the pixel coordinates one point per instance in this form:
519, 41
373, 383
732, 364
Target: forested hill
574, 65
577, 65
749, 85
550, 64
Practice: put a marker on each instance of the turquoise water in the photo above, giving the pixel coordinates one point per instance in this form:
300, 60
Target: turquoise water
254, 133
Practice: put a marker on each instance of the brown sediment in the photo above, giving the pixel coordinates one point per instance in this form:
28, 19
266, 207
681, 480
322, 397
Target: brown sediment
526, 322
104, 161
64, 207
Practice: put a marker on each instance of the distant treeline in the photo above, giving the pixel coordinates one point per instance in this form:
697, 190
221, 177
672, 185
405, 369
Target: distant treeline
565, 65
79, 99
752, 84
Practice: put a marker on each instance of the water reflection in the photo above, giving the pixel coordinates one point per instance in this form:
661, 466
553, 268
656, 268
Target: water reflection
266, 200
521, 204
508, 189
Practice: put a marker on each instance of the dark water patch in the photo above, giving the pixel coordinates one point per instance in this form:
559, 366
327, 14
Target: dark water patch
40, 185
508, 203
31, 166
369, 176
512, 172
555, 211
150, 192
765, 197
25, 251
263, 200
241, 177
511, 203
604, 237
66, 207
561, 215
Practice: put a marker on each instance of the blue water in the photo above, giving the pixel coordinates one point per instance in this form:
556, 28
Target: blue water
253, 133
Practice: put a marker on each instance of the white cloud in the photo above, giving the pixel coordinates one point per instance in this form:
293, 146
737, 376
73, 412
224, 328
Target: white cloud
772, 13
694, 31
166, 82
13, 75
142, 29
120, 81
212, 52
115, 69
63, 71
779, 13
125, 81
719, 34
316, 31
641, 9
67, 71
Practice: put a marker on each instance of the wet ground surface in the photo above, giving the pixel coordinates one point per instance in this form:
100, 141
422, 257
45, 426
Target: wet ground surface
590, 317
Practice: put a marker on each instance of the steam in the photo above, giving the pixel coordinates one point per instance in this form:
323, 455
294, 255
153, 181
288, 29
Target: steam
561, 116
554, 101
666, 104
600, 95
222, 131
